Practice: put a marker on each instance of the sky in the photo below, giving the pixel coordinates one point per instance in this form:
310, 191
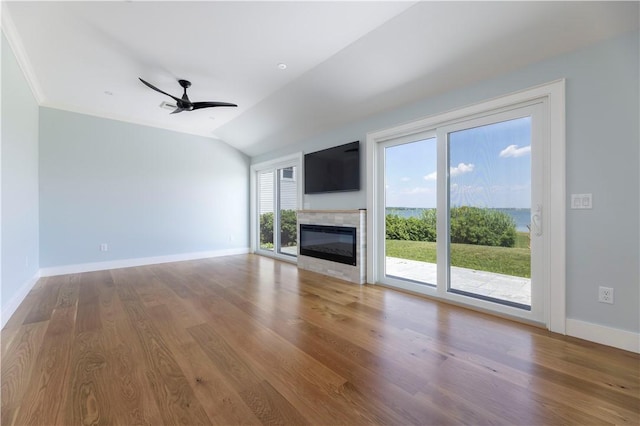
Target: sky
489, 166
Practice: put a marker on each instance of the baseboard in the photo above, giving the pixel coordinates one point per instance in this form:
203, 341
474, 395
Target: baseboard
10, 307
617, 338
127, 263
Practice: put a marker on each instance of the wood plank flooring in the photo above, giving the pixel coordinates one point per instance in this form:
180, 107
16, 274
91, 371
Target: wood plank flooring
250, 340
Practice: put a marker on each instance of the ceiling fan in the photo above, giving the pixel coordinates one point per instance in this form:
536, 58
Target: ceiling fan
184, 104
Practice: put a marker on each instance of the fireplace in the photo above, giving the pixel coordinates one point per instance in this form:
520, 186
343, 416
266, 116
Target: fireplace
335, 243
350, 243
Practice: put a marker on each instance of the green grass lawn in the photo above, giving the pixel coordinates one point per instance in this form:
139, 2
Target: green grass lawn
503, 260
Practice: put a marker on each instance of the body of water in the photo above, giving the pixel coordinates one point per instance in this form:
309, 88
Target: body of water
522, 217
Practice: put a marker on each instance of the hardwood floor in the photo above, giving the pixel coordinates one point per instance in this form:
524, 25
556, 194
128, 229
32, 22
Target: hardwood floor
249, 340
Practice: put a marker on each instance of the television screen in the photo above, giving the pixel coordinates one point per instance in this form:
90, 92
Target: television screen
332, 170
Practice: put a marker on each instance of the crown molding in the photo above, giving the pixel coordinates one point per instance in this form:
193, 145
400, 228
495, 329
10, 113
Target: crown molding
11, 33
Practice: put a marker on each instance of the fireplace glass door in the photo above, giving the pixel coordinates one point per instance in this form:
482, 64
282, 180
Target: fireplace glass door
335, 243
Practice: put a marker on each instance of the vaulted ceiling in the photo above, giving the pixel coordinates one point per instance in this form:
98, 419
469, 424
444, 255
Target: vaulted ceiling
344, 60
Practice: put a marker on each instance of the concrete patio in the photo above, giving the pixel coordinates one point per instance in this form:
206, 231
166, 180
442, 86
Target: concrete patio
498, 286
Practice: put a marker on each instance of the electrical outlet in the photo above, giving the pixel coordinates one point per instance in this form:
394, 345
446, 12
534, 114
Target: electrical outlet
605, 295
104, 247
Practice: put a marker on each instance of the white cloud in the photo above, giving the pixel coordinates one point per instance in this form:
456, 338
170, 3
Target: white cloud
458, 170
461, 169
514, 151
431, 176
405, 179
418, 190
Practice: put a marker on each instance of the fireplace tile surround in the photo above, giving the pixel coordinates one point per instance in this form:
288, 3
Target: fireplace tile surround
352, 218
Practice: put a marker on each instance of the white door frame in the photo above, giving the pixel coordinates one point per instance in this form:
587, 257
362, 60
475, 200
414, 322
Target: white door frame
554, 196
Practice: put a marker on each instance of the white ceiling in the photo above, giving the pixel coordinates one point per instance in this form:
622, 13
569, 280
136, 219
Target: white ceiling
346, 60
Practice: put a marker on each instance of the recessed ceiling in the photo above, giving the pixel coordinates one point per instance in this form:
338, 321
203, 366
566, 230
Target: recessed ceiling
344, 60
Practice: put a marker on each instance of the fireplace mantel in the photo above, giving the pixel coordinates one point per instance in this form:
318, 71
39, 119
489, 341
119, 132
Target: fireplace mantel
351, 218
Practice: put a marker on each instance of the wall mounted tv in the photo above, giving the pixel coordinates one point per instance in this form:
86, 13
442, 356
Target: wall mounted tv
333, 169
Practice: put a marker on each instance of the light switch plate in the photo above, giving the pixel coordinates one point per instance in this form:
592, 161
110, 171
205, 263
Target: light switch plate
581, 201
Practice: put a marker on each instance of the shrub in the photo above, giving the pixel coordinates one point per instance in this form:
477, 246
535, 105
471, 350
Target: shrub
486, 227
266, 228
288, 225
469, 225
421, 228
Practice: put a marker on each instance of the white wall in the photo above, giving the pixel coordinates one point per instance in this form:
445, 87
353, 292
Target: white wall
145, 192
603, 106
19, 217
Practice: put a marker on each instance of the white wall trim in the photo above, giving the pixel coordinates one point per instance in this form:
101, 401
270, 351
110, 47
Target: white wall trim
127, 263
621, 339
12, 305
11, 33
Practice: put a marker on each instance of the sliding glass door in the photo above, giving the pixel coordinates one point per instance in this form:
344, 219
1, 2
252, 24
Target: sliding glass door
461, 204
287, 202
410, 209
266, 209
491, 189
277, 195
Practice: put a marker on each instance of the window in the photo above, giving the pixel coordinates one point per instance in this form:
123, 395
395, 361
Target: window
287, 173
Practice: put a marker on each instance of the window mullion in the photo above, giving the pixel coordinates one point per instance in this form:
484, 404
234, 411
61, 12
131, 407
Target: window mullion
276, 211
442, 212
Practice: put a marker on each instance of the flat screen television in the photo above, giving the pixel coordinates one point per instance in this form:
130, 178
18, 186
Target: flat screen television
333, 170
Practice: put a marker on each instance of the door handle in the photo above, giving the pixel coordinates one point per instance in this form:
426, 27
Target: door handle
536, 220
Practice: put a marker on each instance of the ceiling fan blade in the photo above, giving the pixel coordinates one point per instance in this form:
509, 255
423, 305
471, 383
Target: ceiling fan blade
151, 86
177, 110
198, 105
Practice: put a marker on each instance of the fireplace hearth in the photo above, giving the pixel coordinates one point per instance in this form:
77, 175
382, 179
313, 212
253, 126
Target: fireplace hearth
335, 243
